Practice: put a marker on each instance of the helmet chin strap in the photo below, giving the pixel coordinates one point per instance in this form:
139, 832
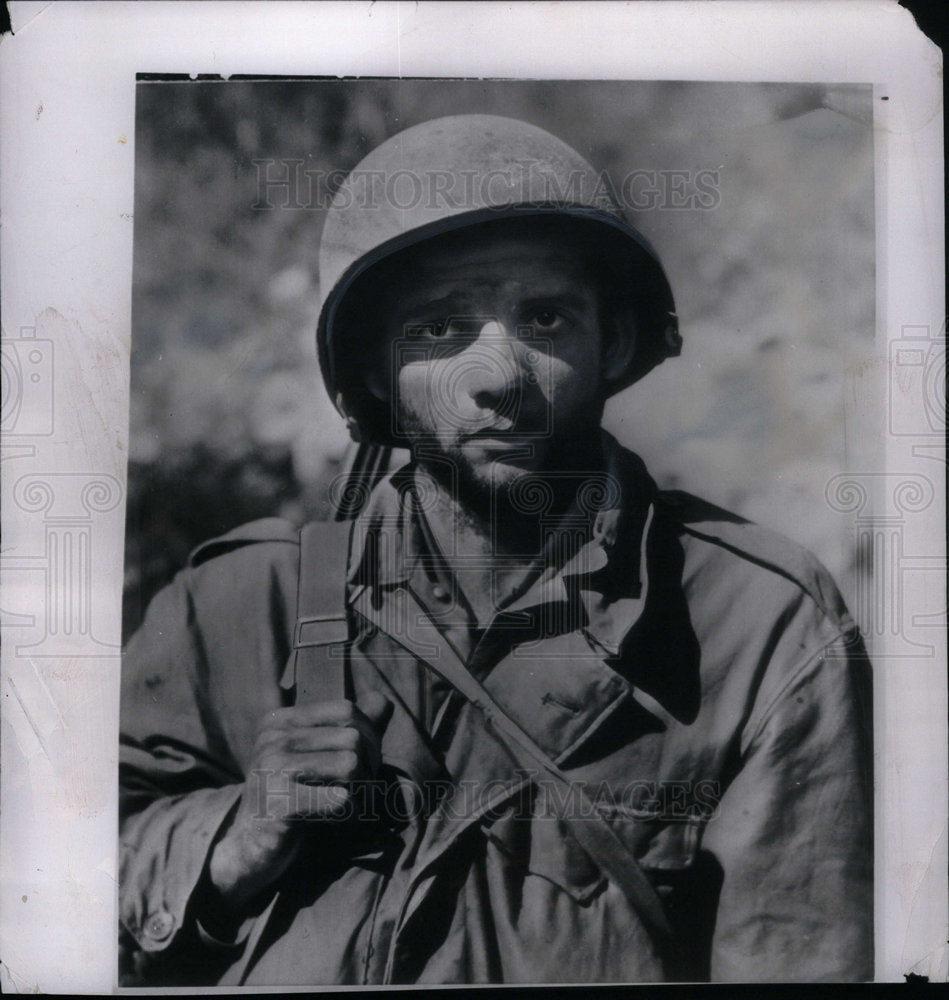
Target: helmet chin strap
369, 465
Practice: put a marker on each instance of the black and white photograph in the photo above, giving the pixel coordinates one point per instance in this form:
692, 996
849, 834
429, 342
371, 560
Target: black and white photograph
549, 721
521, 537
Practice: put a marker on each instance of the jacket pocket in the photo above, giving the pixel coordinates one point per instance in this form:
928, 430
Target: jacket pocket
545, 847
543, 844
658, 844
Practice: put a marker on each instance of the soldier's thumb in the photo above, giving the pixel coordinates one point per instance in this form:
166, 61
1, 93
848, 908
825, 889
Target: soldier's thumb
378, 710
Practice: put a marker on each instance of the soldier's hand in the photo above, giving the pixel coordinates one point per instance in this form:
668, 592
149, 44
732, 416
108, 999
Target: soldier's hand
306, 759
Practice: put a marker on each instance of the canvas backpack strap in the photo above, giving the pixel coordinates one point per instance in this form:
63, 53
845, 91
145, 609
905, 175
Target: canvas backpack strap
591, 831
316, 670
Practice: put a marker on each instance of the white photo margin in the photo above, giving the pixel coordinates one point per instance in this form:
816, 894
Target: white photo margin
67, 81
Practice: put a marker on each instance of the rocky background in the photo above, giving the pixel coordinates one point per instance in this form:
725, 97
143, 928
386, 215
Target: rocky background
771, 262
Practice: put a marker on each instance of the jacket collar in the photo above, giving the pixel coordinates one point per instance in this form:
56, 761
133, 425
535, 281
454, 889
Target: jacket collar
607, 572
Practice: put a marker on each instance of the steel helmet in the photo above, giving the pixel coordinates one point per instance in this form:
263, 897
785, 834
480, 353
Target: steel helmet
452, 173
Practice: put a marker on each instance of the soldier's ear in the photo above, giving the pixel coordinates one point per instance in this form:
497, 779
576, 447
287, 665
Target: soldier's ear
619, 344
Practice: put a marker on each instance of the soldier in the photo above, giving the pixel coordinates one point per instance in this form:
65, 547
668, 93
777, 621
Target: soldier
543, 722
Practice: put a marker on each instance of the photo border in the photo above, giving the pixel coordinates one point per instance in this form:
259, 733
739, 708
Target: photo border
67, 79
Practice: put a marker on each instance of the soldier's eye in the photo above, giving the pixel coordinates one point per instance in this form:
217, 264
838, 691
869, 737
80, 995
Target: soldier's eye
545, 319
430, 329
425, 330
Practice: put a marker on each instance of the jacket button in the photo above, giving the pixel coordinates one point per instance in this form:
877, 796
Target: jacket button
159, 925
439, 593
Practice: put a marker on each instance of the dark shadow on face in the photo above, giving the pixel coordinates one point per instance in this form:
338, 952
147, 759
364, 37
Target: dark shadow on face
488, 346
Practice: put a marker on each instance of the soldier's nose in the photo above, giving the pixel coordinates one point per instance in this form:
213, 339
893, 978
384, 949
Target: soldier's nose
492, 368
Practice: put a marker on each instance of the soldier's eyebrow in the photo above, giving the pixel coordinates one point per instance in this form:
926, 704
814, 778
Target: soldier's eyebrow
572, 300
449, 300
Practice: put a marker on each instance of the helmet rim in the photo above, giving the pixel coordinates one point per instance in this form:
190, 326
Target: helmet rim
353, 245
657, 317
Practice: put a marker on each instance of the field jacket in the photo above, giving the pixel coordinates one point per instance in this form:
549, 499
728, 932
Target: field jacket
695, 677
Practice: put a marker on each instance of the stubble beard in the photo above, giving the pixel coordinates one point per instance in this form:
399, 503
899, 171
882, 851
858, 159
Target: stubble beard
485, 494
480, 491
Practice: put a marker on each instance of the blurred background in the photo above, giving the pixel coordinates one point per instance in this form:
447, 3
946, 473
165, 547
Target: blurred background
758, 198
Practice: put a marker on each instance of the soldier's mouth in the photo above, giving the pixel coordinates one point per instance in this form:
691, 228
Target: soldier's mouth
506, 440
502, 431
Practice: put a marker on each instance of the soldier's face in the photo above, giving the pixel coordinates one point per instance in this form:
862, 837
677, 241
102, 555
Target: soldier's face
494, 356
